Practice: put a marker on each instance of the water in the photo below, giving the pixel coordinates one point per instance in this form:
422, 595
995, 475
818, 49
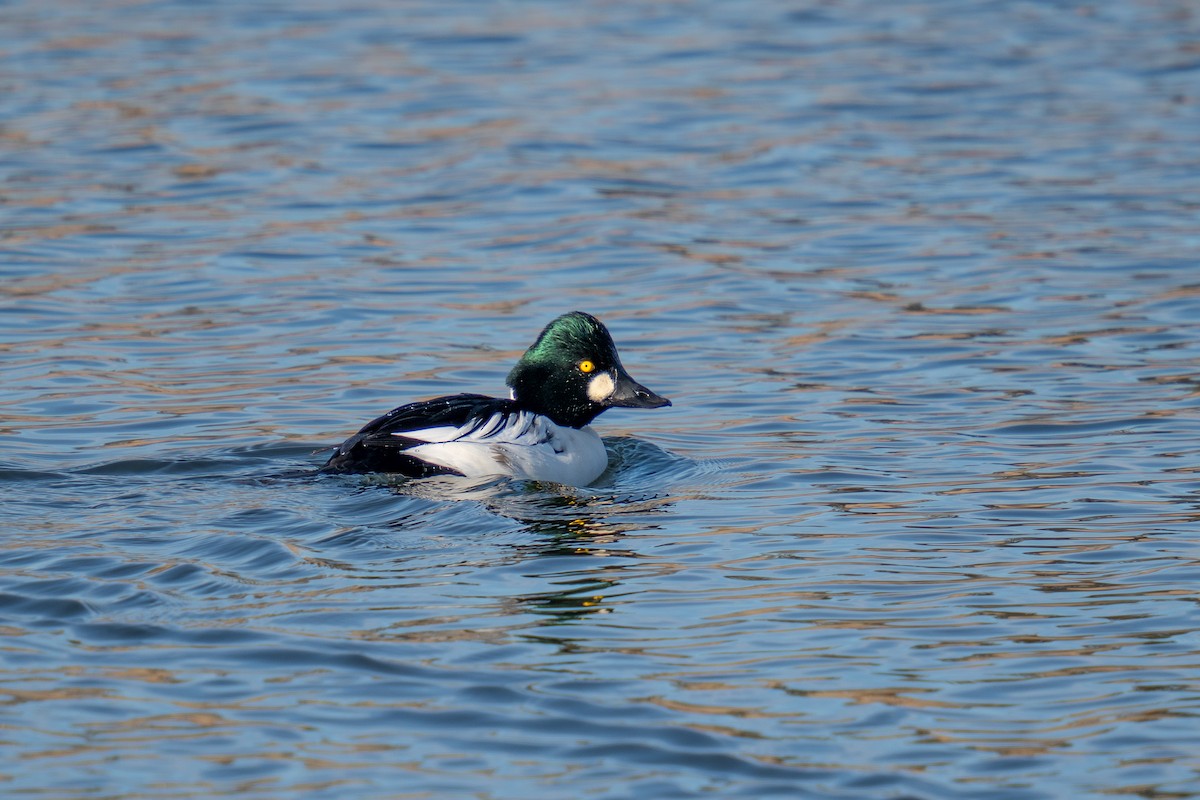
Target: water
920, 278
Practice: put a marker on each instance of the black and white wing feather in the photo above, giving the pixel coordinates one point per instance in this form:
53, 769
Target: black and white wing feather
387, 444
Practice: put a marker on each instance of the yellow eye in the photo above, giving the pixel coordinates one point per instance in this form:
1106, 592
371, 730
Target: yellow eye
586, 366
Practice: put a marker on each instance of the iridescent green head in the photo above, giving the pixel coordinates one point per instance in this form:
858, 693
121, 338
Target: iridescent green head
572, 373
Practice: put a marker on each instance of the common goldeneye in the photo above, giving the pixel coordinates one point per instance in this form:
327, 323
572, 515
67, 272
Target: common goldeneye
569, 376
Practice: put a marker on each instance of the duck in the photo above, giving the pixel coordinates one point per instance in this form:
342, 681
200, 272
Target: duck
542, 432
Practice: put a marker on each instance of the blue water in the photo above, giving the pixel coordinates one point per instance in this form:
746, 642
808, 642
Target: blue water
920, 278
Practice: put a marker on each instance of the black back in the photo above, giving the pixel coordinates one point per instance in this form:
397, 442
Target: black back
381, 445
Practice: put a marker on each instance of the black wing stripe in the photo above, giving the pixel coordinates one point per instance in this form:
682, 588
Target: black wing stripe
379, 446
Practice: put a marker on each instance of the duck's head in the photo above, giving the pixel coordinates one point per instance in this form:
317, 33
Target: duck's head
572, 373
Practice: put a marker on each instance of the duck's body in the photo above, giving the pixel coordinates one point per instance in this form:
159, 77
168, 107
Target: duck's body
570, 375
473, 435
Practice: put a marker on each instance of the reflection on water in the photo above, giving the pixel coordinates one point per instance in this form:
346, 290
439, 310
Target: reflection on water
920, 279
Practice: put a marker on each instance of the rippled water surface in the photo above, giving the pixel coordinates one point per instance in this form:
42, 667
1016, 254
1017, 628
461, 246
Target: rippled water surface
922, 280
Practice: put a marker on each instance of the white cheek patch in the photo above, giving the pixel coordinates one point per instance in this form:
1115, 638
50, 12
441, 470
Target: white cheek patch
600, 388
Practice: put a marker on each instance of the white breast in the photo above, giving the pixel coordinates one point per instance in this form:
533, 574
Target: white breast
529, 446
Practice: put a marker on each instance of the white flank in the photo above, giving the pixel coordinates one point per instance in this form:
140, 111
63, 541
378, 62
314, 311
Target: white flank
600, 388
529, 446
